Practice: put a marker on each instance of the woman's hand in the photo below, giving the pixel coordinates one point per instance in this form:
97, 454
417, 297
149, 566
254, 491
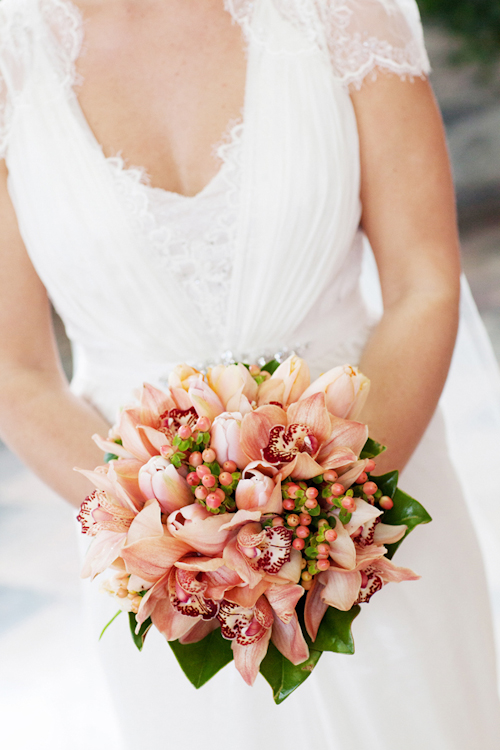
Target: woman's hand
409, 217
40, 419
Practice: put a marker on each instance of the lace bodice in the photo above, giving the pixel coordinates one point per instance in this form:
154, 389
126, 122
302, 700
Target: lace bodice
265, 259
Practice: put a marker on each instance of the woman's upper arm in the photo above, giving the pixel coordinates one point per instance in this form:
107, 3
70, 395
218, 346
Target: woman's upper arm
26, 335
406, 187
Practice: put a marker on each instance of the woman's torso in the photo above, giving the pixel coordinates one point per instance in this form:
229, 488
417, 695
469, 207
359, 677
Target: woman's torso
283, 209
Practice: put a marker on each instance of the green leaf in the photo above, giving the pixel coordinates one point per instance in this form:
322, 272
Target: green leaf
139, 637
371, 449
283, 676
271, 366
334, 633
387, 483
110, 457
406, 510
109, 623
200, 661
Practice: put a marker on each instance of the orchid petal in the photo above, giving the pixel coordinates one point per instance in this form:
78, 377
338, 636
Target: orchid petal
364, 513
283, 600
152, 557
199, 631
247, 659
314, 609
289, 640
153, 403
341, 588
306, 467
109, 446
386, 534
255, 429
204, 564
313, 413
241, 517
342, 550
103, 550
245, 596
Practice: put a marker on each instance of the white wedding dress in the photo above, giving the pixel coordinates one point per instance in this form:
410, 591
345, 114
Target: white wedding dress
266, 259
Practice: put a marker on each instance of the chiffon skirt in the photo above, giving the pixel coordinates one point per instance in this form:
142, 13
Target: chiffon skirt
423, 675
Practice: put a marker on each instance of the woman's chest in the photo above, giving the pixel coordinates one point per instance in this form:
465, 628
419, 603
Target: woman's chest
159, 84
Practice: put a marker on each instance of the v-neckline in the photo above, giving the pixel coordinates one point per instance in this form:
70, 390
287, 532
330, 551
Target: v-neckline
117, 162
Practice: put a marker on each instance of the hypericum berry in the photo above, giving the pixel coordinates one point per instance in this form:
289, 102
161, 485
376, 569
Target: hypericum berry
225, 478
323, 564
323, 549
370, 465
209, 480
213, 501
208, 455
293, 519
254, 370
369, 488
348, 504
362, 478
289, 504
298, 544
312, 492
185, 432
305, 519
385, 502
220, 493
195, 459
201, 493
302, 532
306, 576
203, 424
278, 521
337, 489
330, 535
193, 479
202, 471
229, 466
311, 503
292, 490
330, 476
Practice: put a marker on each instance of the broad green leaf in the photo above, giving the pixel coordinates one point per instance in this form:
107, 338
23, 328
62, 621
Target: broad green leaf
109, 623
334, 633
406, 510
283, 676
271, 366
110, 457
200, 661
139, 637
371, 449
387, 482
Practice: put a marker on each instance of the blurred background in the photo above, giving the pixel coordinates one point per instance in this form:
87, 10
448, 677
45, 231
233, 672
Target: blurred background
44, 645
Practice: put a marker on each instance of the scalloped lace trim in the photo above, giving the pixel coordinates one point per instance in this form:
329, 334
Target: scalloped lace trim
360, 36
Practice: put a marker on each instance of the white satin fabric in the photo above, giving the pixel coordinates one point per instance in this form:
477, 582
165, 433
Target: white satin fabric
423, 674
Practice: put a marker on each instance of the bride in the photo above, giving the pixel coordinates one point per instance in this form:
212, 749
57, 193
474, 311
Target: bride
326, 136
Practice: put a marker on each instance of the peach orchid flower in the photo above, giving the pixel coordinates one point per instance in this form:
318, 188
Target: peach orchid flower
305, 440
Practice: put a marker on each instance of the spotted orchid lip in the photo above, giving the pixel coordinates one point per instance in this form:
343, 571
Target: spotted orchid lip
186, 593
99, 513
286, 442
175, 418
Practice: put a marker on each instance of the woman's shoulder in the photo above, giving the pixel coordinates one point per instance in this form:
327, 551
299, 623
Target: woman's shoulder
364, 36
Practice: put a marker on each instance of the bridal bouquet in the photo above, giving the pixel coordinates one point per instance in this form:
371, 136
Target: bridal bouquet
238, 514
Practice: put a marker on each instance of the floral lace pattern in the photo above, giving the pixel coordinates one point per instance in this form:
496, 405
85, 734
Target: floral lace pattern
193, 237
360, 36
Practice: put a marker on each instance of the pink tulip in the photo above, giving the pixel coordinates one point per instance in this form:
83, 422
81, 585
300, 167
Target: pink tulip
256, 491
235, 387
197, 527
226, 439
294, 374
180, 375
159, 479
204, 399
346, 391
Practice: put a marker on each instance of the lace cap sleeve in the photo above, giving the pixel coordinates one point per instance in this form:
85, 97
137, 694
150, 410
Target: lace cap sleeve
364, 36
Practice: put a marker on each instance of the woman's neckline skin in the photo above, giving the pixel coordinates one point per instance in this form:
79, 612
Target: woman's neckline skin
128, 55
